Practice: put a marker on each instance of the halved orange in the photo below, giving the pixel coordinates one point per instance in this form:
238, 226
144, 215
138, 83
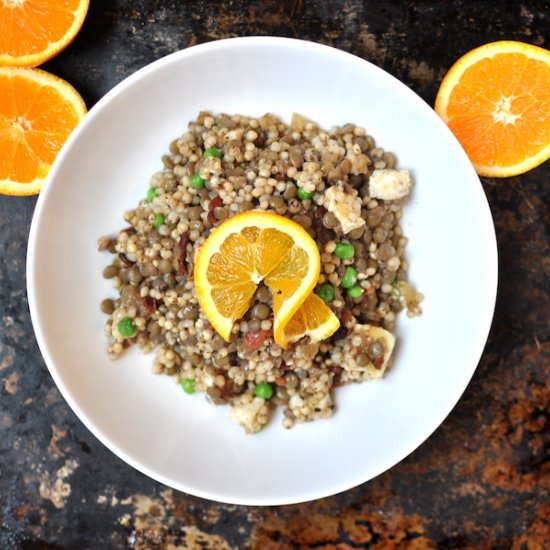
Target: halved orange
314, 319
496, 101
243, 251
33, 31
38, 111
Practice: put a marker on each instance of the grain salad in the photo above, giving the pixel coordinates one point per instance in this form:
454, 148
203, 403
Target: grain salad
343, 189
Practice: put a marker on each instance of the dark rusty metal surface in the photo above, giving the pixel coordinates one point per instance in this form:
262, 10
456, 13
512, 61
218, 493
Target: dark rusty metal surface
481, 481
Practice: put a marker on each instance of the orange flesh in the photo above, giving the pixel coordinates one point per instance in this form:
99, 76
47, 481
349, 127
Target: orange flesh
35, 121
500, 109
30, 27
270, 254
313, 313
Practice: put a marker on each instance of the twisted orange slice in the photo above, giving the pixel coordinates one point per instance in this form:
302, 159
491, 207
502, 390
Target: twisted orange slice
242, 252
314, 319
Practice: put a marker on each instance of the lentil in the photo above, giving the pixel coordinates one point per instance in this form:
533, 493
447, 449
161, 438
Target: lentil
107, 306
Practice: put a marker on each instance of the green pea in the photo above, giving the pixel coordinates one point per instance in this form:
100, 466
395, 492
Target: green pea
188, 385
196, 181
325, 292
349, 278
158, 220
344, 251
212, 152
151, 194
263, 390
355, 291
395, 282
126, 327
304, 195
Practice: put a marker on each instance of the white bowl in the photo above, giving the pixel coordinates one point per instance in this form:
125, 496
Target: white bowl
182, 441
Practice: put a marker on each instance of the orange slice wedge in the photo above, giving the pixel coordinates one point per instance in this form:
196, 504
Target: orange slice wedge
314, 319
245, 250
496, 101
33, 31
38, 111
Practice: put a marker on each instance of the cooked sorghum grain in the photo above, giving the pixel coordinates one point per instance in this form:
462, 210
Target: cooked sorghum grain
319, 179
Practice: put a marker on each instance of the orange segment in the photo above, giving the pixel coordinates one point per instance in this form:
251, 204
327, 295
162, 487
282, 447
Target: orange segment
314, 319
245, 250
33, 31
496, 100
38, 111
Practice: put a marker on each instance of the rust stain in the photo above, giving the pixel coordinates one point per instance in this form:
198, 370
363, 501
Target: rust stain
352, 526
421, 72
10, 383
7, 361
537, 533
57, 435
52, 397
470, 488
369, 47
154, 524
54, 487
6, 420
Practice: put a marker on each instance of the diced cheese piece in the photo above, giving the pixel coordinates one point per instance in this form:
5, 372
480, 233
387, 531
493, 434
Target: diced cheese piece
344, 202
347, 351
389, 184
246, 411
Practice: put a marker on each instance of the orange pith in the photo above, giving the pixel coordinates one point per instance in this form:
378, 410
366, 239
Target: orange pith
496, 100
37, 113
245, 250
33, 31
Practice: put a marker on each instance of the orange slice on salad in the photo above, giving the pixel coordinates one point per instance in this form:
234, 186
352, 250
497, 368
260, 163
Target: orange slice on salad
38, 111
496, 101
33, 31
242, 252
313, 319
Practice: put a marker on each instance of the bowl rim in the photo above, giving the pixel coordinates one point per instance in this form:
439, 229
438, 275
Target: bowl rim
31, 269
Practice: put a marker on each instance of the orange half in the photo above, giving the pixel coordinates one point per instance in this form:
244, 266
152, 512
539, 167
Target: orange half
38, 111
496, 101
33, 31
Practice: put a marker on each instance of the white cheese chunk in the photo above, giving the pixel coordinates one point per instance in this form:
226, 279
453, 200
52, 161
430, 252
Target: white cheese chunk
389, 184
344, 202
246, 412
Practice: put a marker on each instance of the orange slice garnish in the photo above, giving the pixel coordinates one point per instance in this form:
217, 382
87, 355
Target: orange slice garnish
314, 319
38, 111
496, 101
242, 252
